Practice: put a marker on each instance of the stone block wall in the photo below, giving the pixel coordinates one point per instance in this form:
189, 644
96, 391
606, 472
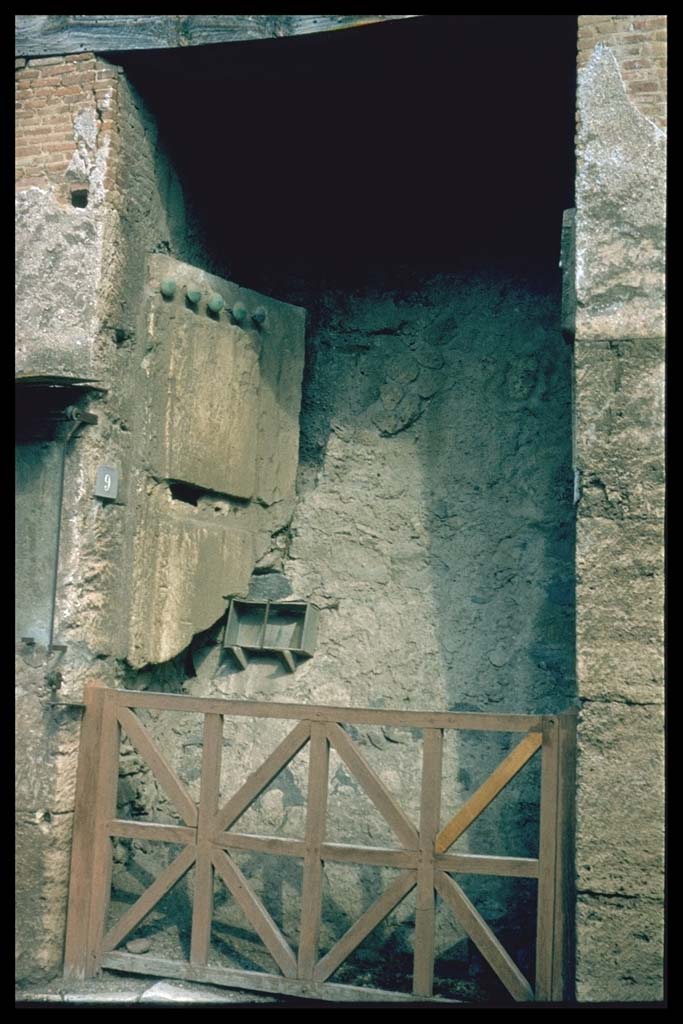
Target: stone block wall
97, 201
619, 453
83, 144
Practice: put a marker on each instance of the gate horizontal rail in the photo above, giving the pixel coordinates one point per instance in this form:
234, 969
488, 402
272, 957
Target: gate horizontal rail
207, 839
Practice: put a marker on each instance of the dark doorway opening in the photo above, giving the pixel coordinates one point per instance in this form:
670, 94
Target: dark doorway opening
444, 141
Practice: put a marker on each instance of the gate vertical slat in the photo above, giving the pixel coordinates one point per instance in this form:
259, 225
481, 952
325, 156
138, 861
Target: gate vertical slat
425, 913
84, 832
311, 903
202, 909
564, 876
547, 856
106, 792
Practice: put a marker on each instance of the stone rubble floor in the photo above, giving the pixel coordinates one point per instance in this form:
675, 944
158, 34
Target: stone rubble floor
113, 989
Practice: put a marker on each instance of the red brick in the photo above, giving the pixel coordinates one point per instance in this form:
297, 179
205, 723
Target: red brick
643, 86
33, 104
74, 57
78, 78
637, 65
593, 19
58, 147
28, 73
30, 182
45, 61
69, 90
28, 131
645, 24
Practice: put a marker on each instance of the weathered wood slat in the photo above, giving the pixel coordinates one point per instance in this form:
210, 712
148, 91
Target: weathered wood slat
250, 980
256, 913
164, 774
316, 809
278, 845
381, 856
84, 833
563, 936
484, 722
202, 908
43, 34
123, 829
102, 852
373, 916
245, 796
482, 936
476, 864
425, 912
343, 853
488, 791
547, 857
150, 897
374, 787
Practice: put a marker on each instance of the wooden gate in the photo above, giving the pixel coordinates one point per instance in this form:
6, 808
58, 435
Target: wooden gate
207, 839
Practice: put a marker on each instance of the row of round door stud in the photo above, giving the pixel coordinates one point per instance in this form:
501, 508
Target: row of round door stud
215, 302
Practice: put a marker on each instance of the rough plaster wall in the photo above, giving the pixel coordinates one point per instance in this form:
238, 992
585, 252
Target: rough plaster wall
72, 258
434, 528
619, 424
435, 523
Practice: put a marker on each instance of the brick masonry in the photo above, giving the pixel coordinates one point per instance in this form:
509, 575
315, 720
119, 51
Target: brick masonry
54, 95
638, 41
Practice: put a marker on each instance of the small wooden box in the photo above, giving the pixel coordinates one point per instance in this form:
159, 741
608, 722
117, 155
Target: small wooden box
276, 627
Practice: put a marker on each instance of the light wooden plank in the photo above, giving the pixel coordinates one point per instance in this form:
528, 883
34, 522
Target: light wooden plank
488, 791
277, 845
202, 907
469, 720
102, 851
490, 948
344, 853
42, 34
547, 856
84, 833
150, 897
382, 856
123, 829
476, 864
374, 787
563, 940
369, 920
256, 913
313, 868
162, 770
242, 800
425, 912
250, 980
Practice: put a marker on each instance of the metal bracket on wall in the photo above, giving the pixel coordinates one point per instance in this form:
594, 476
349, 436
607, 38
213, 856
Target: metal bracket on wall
285, 628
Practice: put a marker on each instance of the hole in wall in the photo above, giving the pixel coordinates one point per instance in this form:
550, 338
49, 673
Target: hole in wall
185, 492
79, 198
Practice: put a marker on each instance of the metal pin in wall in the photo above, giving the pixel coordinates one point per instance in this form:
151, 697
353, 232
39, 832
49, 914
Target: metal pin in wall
167, 288
259, 315
239, 312
193, 296
216, 302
